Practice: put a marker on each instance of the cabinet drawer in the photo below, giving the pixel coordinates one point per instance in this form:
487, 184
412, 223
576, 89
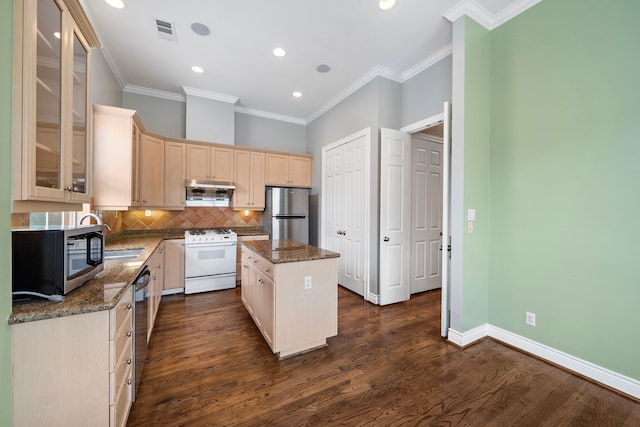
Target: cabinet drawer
120, 312
247, 253
119, 411
119, 373
120, 341
263, 266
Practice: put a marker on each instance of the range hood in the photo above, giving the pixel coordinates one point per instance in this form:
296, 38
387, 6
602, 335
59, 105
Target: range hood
208, 193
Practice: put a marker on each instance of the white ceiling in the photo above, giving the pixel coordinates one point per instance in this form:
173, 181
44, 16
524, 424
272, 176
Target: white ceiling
354, 37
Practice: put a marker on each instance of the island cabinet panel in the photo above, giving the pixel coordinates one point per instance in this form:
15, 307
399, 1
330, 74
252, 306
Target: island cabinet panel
239, 253
74, 370
294, 304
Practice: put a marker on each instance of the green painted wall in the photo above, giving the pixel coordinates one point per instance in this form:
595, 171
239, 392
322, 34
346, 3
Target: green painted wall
477, 92
6, 52
565, 171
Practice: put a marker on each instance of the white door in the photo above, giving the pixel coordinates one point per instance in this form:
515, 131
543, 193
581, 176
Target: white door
353, 216
446, 233
426, 212
345, 198
395, 203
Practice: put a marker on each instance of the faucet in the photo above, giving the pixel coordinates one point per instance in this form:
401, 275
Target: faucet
97, 218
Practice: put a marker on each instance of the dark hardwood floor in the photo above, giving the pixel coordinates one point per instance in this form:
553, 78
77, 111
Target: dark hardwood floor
208, 365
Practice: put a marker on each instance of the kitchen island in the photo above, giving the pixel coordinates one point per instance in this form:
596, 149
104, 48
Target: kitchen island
290, 289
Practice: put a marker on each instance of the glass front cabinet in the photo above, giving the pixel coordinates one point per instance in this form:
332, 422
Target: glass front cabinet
52, 144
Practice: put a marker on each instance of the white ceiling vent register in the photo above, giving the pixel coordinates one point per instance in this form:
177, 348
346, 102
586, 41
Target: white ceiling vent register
166, 30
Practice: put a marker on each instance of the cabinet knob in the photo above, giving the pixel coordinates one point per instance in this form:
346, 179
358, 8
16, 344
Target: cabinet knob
268, 270
128, 381
261, 281
128, 334
128, 361
128, 306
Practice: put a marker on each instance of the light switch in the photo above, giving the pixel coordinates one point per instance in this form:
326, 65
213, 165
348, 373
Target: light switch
471, 215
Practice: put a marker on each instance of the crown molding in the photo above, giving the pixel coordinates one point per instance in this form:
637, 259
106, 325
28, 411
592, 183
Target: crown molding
140, 90
426, 63
272, 116
377, 71
482, 16
108, 57
193, 91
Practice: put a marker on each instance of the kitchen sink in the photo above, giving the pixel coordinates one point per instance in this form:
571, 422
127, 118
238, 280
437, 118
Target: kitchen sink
122, 253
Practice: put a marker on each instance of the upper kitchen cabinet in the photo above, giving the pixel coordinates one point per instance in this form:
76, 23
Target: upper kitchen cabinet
151, 166
52, 149
117, 136
288, 170
249, 180
175, 154
209, 163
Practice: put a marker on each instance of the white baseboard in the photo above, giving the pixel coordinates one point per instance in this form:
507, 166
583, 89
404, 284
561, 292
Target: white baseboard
372, 298
172, 291
463, 339
590, 370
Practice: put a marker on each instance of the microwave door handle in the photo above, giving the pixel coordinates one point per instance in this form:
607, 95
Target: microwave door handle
91, 261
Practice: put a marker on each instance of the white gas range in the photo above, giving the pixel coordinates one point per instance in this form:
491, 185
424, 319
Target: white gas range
210, 260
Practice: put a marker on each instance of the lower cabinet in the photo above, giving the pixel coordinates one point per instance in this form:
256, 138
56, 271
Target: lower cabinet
239, 253
294, 305
74, 370
173, 266
156, 266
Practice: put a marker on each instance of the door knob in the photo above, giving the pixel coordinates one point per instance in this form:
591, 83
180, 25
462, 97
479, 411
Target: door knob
386, 239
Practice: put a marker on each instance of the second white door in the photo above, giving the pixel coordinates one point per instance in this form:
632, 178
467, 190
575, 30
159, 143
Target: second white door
426, 212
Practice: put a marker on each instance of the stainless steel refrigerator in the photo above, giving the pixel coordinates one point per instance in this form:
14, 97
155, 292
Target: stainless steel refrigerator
286, 213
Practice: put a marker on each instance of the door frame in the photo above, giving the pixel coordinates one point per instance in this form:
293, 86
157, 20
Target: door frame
446, 282
366, 133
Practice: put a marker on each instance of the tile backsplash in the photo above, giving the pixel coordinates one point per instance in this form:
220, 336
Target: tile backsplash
191, 217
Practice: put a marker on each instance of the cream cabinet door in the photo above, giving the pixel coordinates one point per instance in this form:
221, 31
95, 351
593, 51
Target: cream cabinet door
174, 174
173, 264
152, 171
198, 162
300, 172
222, 164
277, 170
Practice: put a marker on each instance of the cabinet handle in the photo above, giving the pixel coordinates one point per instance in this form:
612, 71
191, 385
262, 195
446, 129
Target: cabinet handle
261, 281
268, 270
128, 306
128, 334
128, 361
245, 266
255, 261
128, 381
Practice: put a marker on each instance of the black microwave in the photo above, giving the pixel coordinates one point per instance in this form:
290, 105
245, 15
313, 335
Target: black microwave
55, 260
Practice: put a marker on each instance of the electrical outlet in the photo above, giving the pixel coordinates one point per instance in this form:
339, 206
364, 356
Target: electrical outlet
307, 282
530, 319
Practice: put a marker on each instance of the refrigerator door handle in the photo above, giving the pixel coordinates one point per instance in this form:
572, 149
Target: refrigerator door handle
289, 216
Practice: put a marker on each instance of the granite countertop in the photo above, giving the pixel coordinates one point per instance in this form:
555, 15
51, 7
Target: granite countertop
101, 293
285, 250
104, 292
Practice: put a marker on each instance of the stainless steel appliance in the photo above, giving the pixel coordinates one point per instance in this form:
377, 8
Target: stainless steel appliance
210, 260
208, 193
286, 213
55, 260
140, 320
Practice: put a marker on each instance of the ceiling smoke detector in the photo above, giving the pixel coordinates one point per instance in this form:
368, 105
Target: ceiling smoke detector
323, 68
166, 30
200, 29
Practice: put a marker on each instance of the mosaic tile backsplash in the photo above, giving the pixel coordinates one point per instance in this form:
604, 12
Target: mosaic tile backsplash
192, 217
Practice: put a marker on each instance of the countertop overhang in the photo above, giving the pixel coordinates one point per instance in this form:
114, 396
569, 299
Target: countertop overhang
285, 250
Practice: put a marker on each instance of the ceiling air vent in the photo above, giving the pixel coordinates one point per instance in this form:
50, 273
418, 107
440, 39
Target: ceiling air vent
166, 30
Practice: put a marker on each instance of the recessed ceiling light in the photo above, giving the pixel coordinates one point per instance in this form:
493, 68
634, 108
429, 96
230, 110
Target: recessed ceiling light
197, 69
323, 68
386, 4
57, 35
297, 94
200, 29
279, 52
118, 4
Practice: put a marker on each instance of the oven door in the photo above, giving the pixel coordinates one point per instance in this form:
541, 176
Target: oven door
208, 259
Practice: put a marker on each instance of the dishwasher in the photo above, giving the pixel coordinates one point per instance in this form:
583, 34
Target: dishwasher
140, 318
